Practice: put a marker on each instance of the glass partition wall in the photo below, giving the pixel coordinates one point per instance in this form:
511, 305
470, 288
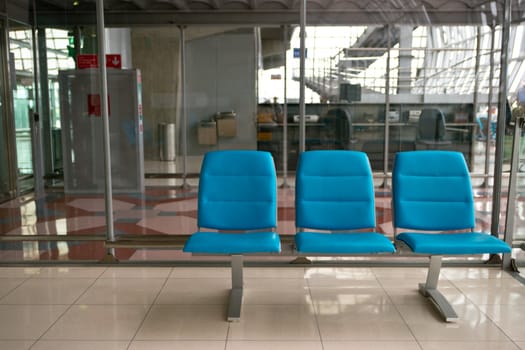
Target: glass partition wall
21, 50
399, 87
176, 91
62, 222
422, 68
7, 159
514, 147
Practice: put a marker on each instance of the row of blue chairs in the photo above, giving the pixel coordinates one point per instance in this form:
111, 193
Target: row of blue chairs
432, 203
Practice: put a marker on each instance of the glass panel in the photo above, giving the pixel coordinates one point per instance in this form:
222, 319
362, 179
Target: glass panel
60, 55
517, 123
336, 104
21, 53
75, 207
347, 68
148, 49
6, 182
368, 88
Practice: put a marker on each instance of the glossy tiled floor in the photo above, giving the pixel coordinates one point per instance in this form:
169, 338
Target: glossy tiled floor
155, 308
158, 308
166, 209
157, 211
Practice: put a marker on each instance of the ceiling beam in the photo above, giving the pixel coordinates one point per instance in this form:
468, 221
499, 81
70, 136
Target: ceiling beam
260, 17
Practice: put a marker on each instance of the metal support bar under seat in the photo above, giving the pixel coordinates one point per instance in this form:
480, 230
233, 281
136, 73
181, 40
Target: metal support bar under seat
430, 290
236, 293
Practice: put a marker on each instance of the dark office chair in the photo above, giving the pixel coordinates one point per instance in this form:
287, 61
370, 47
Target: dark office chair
339, 128
431, 131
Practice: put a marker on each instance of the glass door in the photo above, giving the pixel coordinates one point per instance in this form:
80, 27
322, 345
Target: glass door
5, 183
7, 158
22, 79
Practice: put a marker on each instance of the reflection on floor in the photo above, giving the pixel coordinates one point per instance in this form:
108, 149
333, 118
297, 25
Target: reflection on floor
158, 211
119, 308
155, 308
167, 209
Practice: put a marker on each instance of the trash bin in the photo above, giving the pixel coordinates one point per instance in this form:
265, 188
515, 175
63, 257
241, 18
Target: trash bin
167, 141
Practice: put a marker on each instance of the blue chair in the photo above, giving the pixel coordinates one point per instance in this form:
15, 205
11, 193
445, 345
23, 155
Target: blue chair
432, 198
334, 202
237, 199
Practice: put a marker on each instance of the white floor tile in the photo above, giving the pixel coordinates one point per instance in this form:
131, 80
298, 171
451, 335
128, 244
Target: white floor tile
275, 322
365, 330
362, 322
341, 295
400, 273
463, 345
411, 295
510, 318
184, 322
8, 284
276, 291
198, 272
70, 272
275, 283
18, 272
370, 312
132, 291
501, 296
427, 325
409, 282
80, 345
342, 281
284, 308
477, 273
486, 283
177, 345
254, 296
340, 273
406, 295
185, 291
15, 344
25, 322
370, 345
274, 345
136, 272
268, 272
98, 322
48, 291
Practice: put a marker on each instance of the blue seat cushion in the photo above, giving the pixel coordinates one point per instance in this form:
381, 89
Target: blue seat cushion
453, 243
343, 243
233, 243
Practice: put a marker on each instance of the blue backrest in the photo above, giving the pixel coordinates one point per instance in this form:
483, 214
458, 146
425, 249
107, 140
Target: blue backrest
237, 191
431, 190
334, 191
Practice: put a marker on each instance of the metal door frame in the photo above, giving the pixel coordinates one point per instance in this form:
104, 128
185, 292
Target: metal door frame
6, 97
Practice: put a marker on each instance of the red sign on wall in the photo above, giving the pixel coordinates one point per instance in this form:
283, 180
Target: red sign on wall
91, 61
114, 61
94, 108
87, 61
